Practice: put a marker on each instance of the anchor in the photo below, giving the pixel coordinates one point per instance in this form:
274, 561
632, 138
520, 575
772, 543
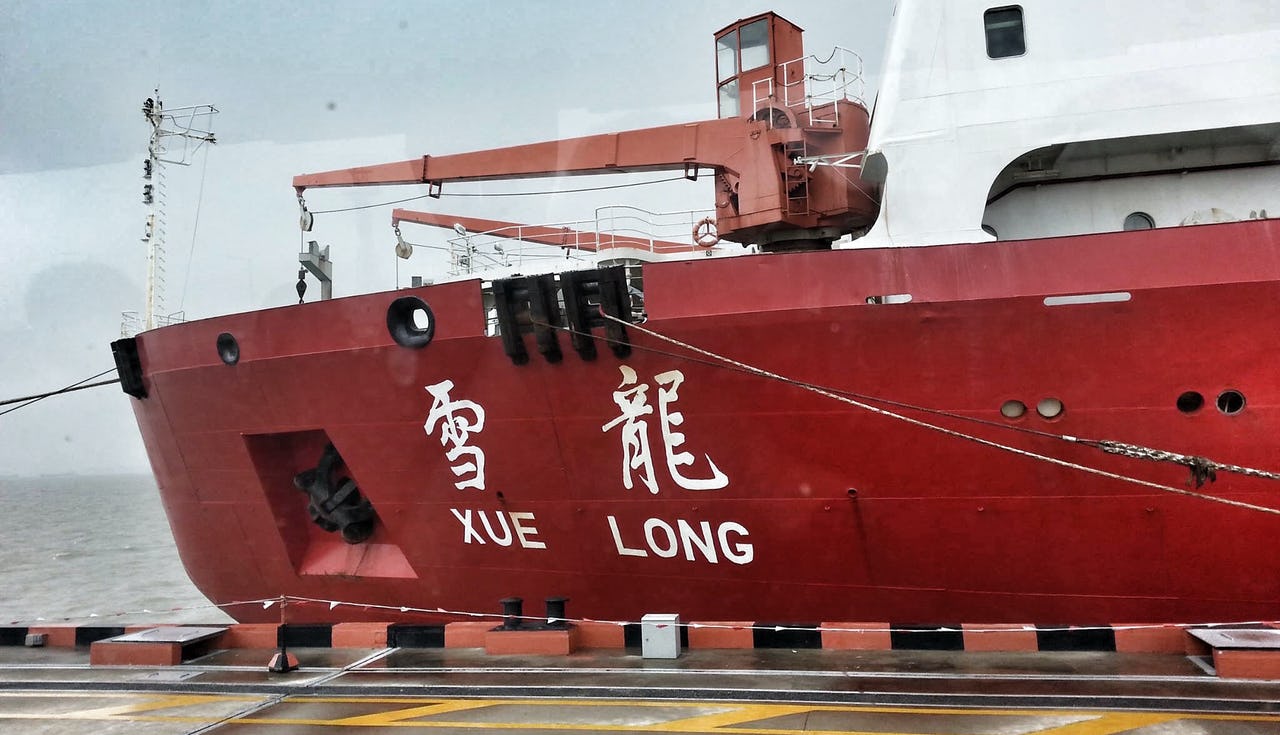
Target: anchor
336, 506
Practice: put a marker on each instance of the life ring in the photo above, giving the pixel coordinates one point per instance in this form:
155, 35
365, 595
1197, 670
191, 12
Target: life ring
704, 233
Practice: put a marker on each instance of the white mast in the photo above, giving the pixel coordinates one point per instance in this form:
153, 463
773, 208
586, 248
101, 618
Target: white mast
166, 125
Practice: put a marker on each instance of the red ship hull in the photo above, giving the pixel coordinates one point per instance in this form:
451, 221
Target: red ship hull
771, 501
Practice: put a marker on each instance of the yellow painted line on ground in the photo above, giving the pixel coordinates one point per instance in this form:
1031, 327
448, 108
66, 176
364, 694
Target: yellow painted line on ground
739, 714
735, 721
1115, 722
397, 715
1099, 722
130, 711
778, 710
171, 701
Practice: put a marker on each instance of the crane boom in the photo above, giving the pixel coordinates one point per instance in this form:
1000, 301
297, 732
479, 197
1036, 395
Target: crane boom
771, 126
708, 144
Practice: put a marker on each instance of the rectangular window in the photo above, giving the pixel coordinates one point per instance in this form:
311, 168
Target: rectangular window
729, 99
1005, 36
727, 56
755, 44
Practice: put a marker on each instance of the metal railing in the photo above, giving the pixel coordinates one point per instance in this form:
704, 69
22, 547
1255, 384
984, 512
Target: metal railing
132, 322
821, 82
632, 227
614, 227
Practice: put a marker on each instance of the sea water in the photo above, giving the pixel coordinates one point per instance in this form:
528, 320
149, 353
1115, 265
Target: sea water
95, 549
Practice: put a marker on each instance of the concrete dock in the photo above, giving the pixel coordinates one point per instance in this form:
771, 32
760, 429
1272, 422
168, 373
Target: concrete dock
722, 692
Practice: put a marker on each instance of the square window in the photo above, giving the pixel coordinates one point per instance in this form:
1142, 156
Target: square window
1005, 36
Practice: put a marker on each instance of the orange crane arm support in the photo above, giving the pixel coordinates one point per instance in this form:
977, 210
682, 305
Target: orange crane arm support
708, 144
542, 234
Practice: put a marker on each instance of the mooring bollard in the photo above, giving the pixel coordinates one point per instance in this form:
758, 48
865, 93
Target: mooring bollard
512, 611
555, 613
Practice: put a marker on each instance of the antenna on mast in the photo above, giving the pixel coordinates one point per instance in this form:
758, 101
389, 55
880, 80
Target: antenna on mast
175, 138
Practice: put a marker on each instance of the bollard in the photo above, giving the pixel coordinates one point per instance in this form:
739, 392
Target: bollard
555, 613
512, 611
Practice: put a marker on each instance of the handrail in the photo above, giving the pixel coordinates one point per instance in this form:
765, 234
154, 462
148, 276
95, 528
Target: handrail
613, 227
821, 82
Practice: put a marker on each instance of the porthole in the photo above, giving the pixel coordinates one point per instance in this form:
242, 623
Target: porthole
1230, 402
1013, 409
1049, 408
1190, 402
228, 348
411, 322
1138, 221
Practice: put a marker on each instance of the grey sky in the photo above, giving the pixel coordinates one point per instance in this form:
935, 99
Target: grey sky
301, 87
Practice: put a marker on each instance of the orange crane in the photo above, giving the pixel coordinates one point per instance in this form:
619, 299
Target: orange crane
763, 150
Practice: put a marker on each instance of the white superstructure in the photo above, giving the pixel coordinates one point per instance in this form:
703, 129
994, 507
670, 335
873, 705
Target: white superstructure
1050, 118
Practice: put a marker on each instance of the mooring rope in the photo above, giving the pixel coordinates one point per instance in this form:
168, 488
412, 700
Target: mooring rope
394, 611
78, 385
761, 372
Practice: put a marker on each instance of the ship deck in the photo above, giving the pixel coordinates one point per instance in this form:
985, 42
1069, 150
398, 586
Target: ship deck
733, 692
